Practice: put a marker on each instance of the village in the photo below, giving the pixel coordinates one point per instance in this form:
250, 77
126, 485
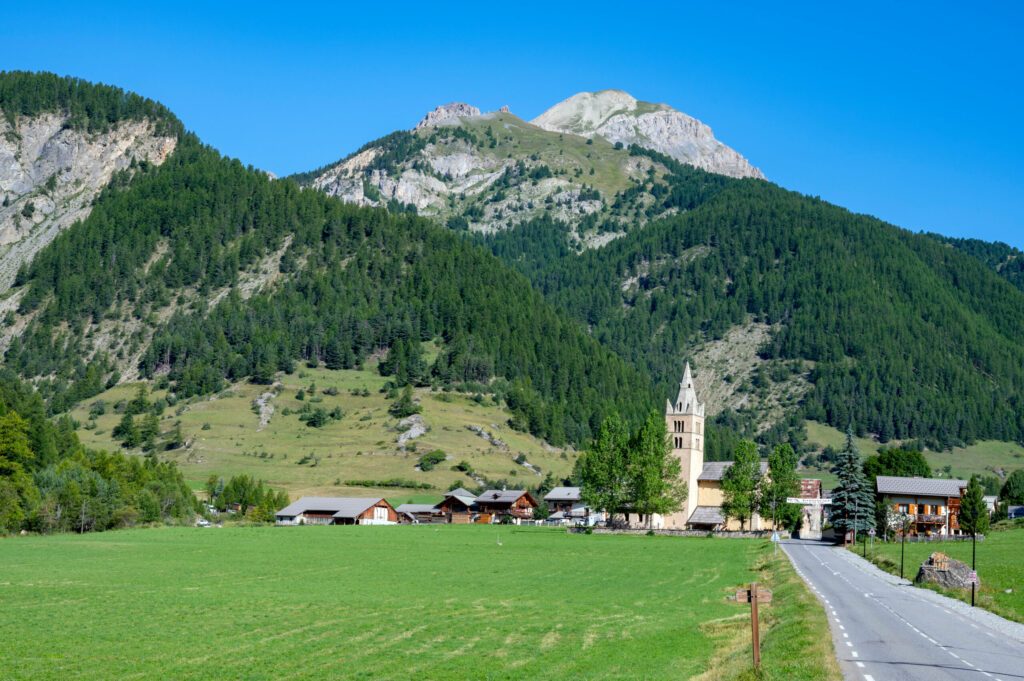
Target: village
921, 508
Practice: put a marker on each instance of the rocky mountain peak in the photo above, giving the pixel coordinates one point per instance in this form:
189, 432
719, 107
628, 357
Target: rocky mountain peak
619, 117
447, 114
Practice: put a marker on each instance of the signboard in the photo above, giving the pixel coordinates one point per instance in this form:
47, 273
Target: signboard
775, 538
871, 532
972, 577
763, 596
808, 502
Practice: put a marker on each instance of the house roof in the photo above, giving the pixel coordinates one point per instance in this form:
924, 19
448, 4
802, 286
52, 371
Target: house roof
563, 494
416, 508
465, 496
707, 515
339, 507
714, 470
501, 496
930, 487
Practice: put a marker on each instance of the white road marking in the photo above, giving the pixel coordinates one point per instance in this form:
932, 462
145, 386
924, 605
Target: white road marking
861, 665
845, 635
854, 653
849, 644
868, 677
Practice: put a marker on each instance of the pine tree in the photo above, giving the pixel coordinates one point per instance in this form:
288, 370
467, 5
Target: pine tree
149, 432
853, 500
973, 510
127, 432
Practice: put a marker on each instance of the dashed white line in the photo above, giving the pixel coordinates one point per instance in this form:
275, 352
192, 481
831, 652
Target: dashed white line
854, 653
861, 665
868, 677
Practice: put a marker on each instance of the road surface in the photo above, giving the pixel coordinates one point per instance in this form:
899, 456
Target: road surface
890, 632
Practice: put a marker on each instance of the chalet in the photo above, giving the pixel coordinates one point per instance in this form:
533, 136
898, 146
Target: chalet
458, 506
932, 504
566, 505
420, 514
337, 511
497, 505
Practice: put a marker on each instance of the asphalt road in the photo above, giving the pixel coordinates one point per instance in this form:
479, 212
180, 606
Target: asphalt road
884, 631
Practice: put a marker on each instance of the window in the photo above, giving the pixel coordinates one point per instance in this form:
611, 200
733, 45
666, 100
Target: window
904, 508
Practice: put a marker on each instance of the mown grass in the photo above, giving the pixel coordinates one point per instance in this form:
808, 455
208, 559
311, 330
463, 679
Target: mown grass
225, 439
395, 602
1000, 568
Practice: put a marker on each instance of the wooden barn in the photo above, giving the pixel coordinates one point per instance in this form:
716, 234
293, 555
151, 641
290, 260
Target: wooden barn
458, 506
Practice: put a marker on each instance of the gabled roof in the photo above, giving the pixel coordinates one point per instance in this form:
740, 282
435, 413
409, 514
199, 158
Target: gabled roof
339, 507
563, 494
502, 496
707, 515
929, 487
463, 495
416, 508
714, 470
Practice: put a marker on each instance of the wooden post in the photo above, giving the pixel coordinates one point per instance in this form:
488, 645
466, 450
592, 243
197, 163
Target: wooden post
755, 635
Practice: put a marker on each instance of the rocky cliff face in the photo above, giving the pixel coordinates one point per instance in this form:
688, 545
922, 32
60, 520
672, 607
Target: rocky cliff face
619, 117
50, 174
447, 114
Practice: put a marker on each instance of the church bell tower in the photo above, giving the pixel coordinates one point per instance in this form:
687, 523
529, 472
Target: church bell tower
684, 420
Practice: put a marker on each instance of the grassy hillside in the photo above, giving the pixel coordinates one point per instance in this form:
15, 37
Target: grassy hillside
999, 568
398, 603
988, 457
225, 438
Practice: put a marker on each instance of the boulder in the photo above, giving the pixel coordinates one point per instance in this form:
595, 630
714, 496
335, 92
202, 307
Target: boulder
946, 572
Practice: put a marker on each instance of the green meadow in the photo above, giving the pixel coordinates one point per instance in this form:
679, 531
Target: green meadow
999, 568
401, 602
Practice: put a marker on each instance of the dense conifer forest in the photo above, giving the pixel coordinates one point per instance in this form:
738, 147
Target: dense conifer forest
905, 337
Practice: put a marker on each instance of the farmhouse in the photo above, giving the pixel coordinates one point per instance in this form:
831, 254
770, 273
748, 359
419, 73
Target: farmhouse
337, 511
495, 505
566, 505
420, 513
458, 506
933, 505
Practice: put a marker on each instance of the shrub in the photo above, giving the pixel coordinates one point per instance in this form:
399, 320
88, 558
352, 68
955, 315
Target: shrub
431, 459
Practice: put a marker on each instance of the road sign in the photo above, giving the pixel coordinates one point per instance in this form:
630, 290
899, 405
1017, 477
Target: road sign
808, 502
972, 577
871, 532
775, 537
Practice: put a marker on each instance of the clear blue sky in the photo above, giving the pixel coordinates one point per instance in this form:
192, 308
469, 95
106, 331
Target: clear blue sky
911, 112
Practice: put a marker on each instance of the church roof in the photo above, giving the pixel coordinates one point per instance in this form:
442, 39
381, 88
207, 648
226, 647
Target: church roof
707, 515
686, 402
714, 470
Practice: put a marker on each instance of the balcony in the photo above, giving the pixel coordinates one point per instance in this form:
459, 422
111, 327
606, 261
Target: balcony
931, 519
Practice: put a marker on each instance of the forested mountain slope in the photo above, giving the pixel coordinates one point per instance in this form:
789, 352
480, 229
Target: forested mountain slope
895, 333
209, 271
62, 140
1006, 260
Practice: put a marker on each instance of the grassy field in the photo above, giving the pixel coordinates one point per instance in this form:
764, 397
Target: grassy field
225, 437
999, 568
397, 602
984, 458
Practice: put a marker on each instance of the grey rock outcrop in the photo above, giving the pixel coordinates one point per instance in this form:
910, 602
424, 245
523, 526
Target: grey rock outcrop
447, 114
50, 174
620, 117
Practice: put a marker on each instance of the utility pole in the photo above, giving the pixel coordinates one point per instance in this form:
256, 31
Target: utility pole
903, 539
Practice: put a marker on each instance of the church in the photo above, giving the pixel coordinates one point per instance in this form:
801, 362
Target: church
702, 510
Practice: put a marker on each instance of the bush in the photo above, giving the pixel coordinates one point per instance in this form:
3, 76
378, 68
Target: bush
431, 459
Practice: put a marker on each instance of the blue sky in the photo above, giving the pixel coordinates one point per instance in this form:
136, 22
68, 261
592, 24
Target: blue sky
907, 111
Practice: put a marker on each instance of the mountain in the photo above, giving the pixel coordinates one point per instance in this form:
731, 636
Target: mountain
619, 117
200, 271
62, 140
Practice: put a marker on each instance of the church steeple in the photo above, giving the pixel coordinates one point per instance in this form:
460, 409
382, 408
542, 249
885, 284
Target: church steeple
686, 401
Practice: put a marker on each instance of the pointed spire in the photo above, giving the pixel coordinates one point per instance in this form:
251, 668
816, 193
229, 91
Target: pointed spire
686, 402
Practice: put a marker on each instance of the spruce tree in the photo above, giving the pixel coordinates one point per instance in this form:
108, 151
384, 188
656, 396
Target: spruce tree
853, 500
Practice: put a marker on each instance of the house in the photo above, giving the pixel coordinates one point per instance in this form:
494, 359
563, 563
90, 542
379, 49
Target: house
990, 502
813, 502
458, 506
932, 504
566, 506
420, 514
496, 505
1014, 512
337, 511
